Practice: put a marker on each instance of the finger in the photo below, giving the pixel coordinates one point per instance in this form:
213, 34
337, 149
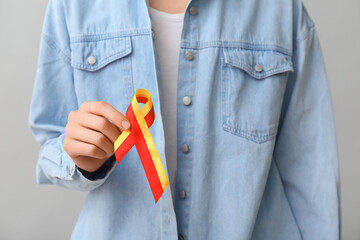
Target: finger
106, 110
79, 148
98, 123
93, 137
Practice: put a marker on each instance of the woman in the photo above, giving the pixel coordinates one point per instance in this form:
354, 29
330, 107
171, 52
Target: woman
243, 118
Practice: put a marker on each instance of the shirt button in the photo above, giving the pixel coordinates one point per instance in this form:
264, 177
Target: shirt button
184, 148
91, 60
258, 68
193, 10
189, 55
186, 100
182, 194
181, 237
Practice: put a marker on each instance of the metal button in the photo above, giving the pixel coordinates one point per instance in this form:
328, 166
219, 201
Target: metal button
181, 237
184, 148
91, 60
193, 10
258, 68
189, 55
182, 194
187, 100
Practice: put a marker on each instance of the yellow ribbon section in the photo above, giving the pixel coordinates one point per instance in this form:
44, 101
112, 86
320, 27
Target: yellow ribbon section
140, 117
140, 136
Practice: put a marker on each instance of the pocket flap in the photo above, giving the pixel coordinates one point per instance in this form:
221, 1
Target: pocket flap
93, 55
258, 64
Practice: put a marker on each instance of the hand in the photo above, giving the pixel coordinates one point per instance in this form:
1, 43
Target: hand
90, 136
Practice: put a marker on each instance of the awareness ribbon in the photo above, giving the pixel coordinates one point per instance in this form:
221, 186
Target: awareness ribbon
140, 136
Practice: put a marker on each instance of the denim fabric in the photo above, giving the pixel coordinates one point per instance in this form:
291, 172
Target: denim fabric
262, 160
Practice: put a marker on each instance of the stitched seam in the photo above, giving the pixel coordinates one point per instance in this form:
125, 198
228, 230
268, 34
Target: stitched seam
250, 67
255, 138
253, 131
238, 44
51, 43
108, 35
104, 61
304, 35
266, 73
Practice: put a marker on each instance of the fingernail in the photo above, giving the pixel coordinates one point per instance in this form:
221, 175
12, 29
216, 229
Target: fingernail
125, 124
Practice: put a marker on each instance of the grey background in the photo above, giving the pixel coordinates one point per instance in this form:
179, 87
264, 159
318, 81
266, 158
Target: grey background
31, 211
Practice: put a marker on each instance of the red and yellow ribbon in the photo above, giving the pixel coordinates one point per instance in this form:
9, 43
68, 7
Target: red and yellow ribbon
140, 136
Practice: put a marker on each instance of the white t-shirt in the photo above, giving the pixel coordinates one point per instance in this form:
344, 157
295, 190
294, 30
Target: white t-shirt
168, 28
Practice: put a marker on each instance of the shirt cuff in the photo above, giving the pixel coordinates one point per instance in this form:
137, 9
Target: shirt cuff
101, 172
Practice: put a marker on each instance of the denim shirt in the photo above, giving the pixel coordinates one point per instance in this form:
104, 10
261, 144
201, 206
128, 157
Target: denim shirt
262, 160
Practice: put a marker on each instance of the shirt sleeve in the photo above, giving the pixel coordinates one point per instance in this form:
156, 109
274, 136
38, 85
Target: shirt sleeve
53, 98
306, 148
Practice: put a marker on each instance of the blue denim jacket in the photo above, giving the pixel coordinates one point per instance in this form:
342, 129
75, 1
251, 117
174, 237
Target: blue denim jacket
262, 160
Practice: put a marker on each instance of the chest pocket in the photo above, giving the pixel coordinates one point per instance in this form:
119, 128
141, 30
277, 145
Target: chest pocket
102, 68
92, 55
252, 89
